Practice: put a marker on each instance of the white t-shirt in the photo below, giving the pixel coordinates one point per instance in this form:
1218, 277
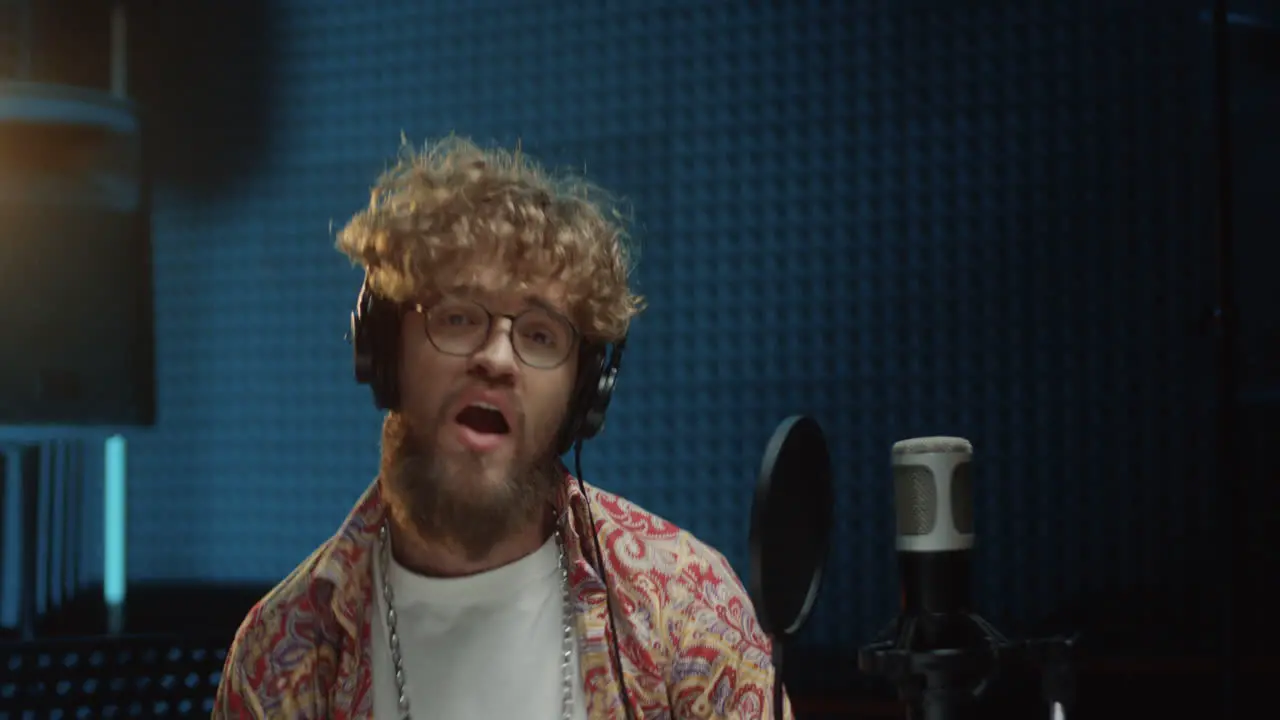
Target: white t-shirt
478, 647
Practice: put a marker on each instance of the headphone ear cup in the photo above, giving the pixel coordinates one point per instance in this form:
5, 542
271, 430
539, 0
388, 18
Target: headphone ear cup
594, 417
590, 367
376, 348
386, 341
362, 332
361, 358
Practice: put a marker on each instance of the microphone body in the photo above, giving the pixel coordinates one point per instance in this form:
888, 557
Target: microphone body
933, 498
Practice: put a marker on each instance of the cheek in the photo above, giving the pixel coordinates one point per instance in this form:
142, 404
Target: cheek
551, 409
424, 381
421, 404
563, 404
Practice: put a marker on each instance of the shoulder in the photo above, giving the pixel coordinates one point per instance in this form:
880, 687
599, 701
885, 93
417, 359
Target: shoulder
643, 547
280, 647
719, 654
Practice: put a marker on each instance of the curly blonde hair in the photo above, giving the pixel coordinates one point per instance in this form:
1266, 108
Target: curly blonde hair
443, 215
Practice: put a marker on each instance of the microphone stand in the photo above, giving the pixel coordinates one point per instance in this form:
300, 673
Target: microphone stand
946, 683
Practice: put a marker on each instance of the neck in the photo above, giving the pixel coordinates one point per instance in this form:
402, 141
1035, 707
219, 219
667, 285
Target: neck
441, 558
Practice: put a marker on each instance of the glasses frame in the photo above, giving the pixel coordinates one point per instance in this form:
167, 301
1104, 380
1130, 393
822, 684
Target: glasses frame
425, 312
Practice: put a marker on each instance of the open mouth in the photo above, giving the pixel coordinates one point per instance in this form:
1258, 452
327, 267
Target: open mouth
483, 419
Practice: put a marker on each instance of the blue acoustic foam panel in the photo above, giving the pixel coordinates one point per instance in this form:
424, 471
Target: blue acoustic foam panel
902, 218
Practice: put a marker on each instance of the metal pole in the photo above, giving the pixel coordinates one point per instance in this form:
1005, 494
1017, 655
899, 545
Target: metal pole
1225, 314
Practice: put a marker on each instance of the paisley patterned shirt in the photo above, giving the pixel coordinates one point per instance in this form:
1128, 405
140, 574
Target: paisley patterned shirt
689, 641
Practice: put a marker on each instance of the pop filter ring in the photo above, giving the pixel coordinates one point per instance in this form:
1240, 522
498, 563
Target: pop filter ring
790, 437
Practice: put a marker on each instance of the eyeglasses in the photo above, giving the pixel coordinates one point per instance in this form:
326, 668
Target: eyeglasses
541, 338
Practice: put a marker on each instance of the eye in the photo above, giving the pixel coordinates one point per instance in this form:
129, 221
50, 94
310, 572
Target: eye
455, 318
541, 337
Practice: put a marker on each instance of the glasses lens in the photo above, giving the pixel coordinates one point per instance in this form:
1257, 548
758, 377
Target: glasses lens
457, 327
542, 339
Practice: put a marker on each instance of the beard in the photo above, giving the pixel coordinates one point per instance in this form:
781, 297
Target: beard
468, 501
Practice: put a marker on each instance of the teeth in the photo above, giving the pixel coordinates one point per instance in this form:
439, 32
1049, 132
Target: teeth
486, 406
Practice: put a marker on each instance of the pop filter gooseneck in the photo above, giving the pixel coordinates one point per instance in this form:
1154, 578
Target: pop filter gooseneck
791, 520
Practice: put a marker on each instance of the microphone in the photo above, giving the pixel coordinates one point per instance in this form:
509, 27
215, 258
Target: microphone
941, 655
933, 501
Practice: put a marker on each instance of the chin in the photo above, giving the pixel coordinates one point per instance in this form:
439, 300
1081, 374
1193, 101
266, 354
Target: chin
468, 472
485, 478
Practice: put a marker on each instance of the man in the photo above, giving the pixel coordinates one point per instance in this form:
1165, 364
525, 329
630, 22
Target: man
477, 578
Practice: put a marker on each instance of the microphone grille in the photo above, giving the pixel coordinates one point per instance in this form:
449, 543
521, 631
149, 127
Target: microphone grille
916, 499
936, 444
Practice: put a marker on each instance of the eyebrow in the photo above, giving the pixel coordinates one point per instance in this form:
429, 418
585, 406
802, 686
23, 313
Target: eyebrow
475, 292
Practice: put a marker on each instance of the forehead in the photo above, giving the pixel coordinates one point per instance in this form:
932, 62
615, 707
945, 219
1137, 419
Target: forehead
501, 289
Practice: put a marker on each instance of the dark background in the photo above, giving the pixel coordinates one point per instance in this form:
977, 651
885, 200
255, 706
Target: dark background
991, 218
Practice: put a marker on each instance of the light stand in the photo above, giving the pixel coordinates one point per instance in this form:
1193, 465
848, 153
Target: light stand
1225, 317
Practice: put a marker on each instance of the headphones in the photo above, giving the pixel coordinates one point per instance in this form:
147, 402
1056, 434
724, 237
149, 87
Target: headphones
375, 339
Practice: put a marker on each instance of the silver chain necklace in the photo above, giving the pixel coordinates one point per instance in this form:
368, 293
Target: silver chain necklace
566, 644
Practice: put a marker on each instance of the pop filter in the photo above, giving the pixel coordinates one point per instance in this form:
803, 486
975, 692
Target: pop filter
790, 532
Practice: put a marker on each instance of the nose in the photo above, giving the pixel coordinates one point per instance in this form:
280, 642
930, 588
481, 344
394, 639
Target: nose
496, 359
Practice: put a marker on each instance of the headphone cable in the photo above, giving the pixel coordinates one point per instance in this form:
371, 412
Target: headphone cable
615, 654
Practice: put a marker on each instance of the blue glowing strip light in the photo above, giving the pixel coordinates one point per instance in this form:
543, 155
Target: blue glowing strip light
113, 550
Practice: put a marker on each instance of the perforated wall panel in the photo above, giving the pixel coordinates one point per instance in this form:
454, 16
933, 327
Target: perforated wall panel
902, 218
